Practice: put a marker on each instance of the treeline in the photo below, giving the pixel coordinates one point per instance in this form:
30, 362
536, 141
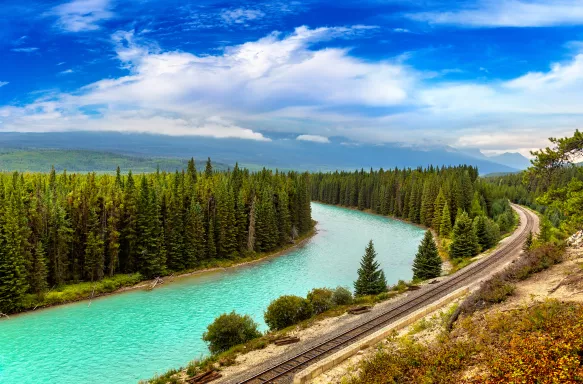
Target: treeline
553, 186
434, 197
63, 228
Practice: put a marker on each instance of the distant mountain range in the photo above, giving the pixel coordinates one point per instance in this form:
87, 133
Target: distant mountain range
283, 153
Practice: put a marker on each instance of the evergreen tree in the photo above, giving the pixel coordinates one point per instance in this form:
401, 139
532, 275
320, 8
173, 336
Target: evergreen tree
476, 206
438, 211
445, 226
464, 240
528, 242
191, 170
208, 170
13, 256
427, 263
38, 277
482, 232
371, 279
94, 249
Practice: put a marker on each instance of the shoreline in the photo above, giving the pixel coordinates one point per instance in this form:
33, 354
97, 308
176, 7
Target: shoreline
168, 279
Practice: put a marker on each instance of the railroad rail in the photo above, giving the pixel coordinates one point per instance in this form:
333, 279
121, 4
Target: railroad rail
283, 371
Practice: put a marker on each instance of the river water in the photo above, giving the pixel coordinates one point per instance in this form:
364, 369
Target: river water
131, 336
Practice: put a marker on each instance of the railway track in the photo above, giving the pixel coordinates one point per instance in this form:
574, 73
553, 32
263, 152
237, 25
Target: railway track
283, 371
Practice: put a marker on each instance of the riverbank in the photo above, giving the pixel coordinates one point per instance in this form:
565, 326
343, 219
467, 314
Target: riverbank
87, 291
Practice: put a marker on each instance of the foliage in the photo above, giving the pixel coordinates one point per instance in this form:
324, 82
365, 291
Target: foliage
371, 279
465, 241
341, 296
69, 228
501, 285
228, 330
538, 344
287, 310
320, 299
427, 263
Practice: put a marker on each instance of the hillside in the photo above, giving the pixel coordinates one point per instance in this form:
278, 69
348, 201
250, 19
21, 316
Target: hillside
281, 152
41, 160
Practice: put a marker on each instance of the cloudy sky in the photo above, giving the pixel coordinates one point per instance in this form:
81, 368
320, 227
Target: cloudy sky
493, 74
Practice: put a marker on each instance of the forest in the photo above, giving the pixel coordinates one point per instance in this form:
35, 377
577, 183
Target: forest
452, 200
57, 229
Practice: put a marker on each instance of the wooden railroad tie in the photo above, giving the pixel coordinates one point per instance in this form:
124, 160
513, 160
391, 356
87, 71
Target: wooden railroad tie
286, 340
205, 377
359, 310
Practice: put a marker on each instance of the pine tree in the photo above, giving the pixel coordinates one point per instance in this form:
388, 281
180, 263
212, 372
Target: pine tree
464, 240
94, 249
482, 232
13, 256
427, 263
445, 226
371, 279
476, 206
438, 211
38, 277
191, 170
528, 242
194, 236
208, 170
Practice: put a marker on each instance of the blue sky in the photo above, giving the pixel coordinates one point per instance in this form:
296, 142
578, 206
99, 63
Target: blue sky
497, 75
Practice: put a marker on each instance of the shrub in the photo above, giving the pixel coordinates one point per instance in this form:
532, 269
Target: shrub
287, 310
229, 330
320, 299
342, 296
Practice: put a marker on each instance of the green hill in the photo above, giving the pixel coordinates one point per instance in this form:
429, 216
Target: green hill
41, 160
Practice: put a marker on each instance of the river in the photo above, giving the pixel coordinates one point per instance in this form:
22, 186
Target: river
131, 336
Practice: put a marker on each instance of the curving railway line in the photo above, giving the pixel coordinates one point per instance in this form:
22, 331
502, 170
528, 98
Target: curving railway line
283, 370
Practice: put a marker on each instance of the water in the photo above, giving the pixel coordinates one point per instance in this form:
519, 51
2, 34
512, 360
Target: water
131, 336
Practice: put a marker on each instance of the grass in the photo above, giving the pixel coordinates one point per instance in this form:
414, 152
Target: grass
501, 286
79, 291
537, 344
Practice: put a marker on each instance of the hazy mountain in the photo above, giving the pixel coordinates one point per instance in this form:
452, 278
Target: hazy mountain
280, 153
511, 159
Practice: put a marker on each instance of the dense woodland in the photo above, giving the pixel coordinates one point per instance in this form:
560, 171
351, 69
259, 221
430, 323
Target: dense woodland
61, 228
444, 199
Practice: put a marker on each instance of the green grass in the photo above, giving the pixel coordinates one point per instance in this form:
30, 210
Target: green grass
79, 291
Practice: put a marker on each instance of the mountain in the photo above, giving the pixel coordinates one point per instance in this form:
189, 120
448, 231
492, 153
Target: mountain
286, 153
511, 159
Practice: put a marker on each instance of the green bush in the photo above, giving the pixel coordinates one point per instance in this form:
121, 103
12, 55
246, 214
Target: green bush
287, 310
342, 296
320, 299
229, 330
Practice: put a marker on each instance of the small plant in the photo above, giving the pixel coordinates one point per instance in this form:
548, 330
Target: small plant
287, 310
320, 299
228, 330
342, 296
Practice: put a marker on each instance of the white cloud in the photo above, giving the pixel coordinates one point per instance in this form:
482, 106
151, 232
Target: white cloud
509, 13
281, 83
313, 138
401, 30
66, 72
3, 83
241, 15
82, 15
25, 49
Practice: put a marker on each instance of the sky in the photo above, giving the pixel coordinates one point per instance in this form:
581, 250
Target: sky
498, 75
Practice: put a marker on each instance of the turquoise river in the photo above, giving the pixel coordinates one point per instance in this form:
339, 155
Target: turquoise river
131, 336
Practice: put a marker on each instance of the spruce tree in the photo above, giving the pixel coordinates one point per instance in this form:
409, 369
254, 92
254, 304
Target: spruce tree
371, 279
13, 256
482, 232
528, 242
427, 263
464, 240
208, 170
445, 226
438, 211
